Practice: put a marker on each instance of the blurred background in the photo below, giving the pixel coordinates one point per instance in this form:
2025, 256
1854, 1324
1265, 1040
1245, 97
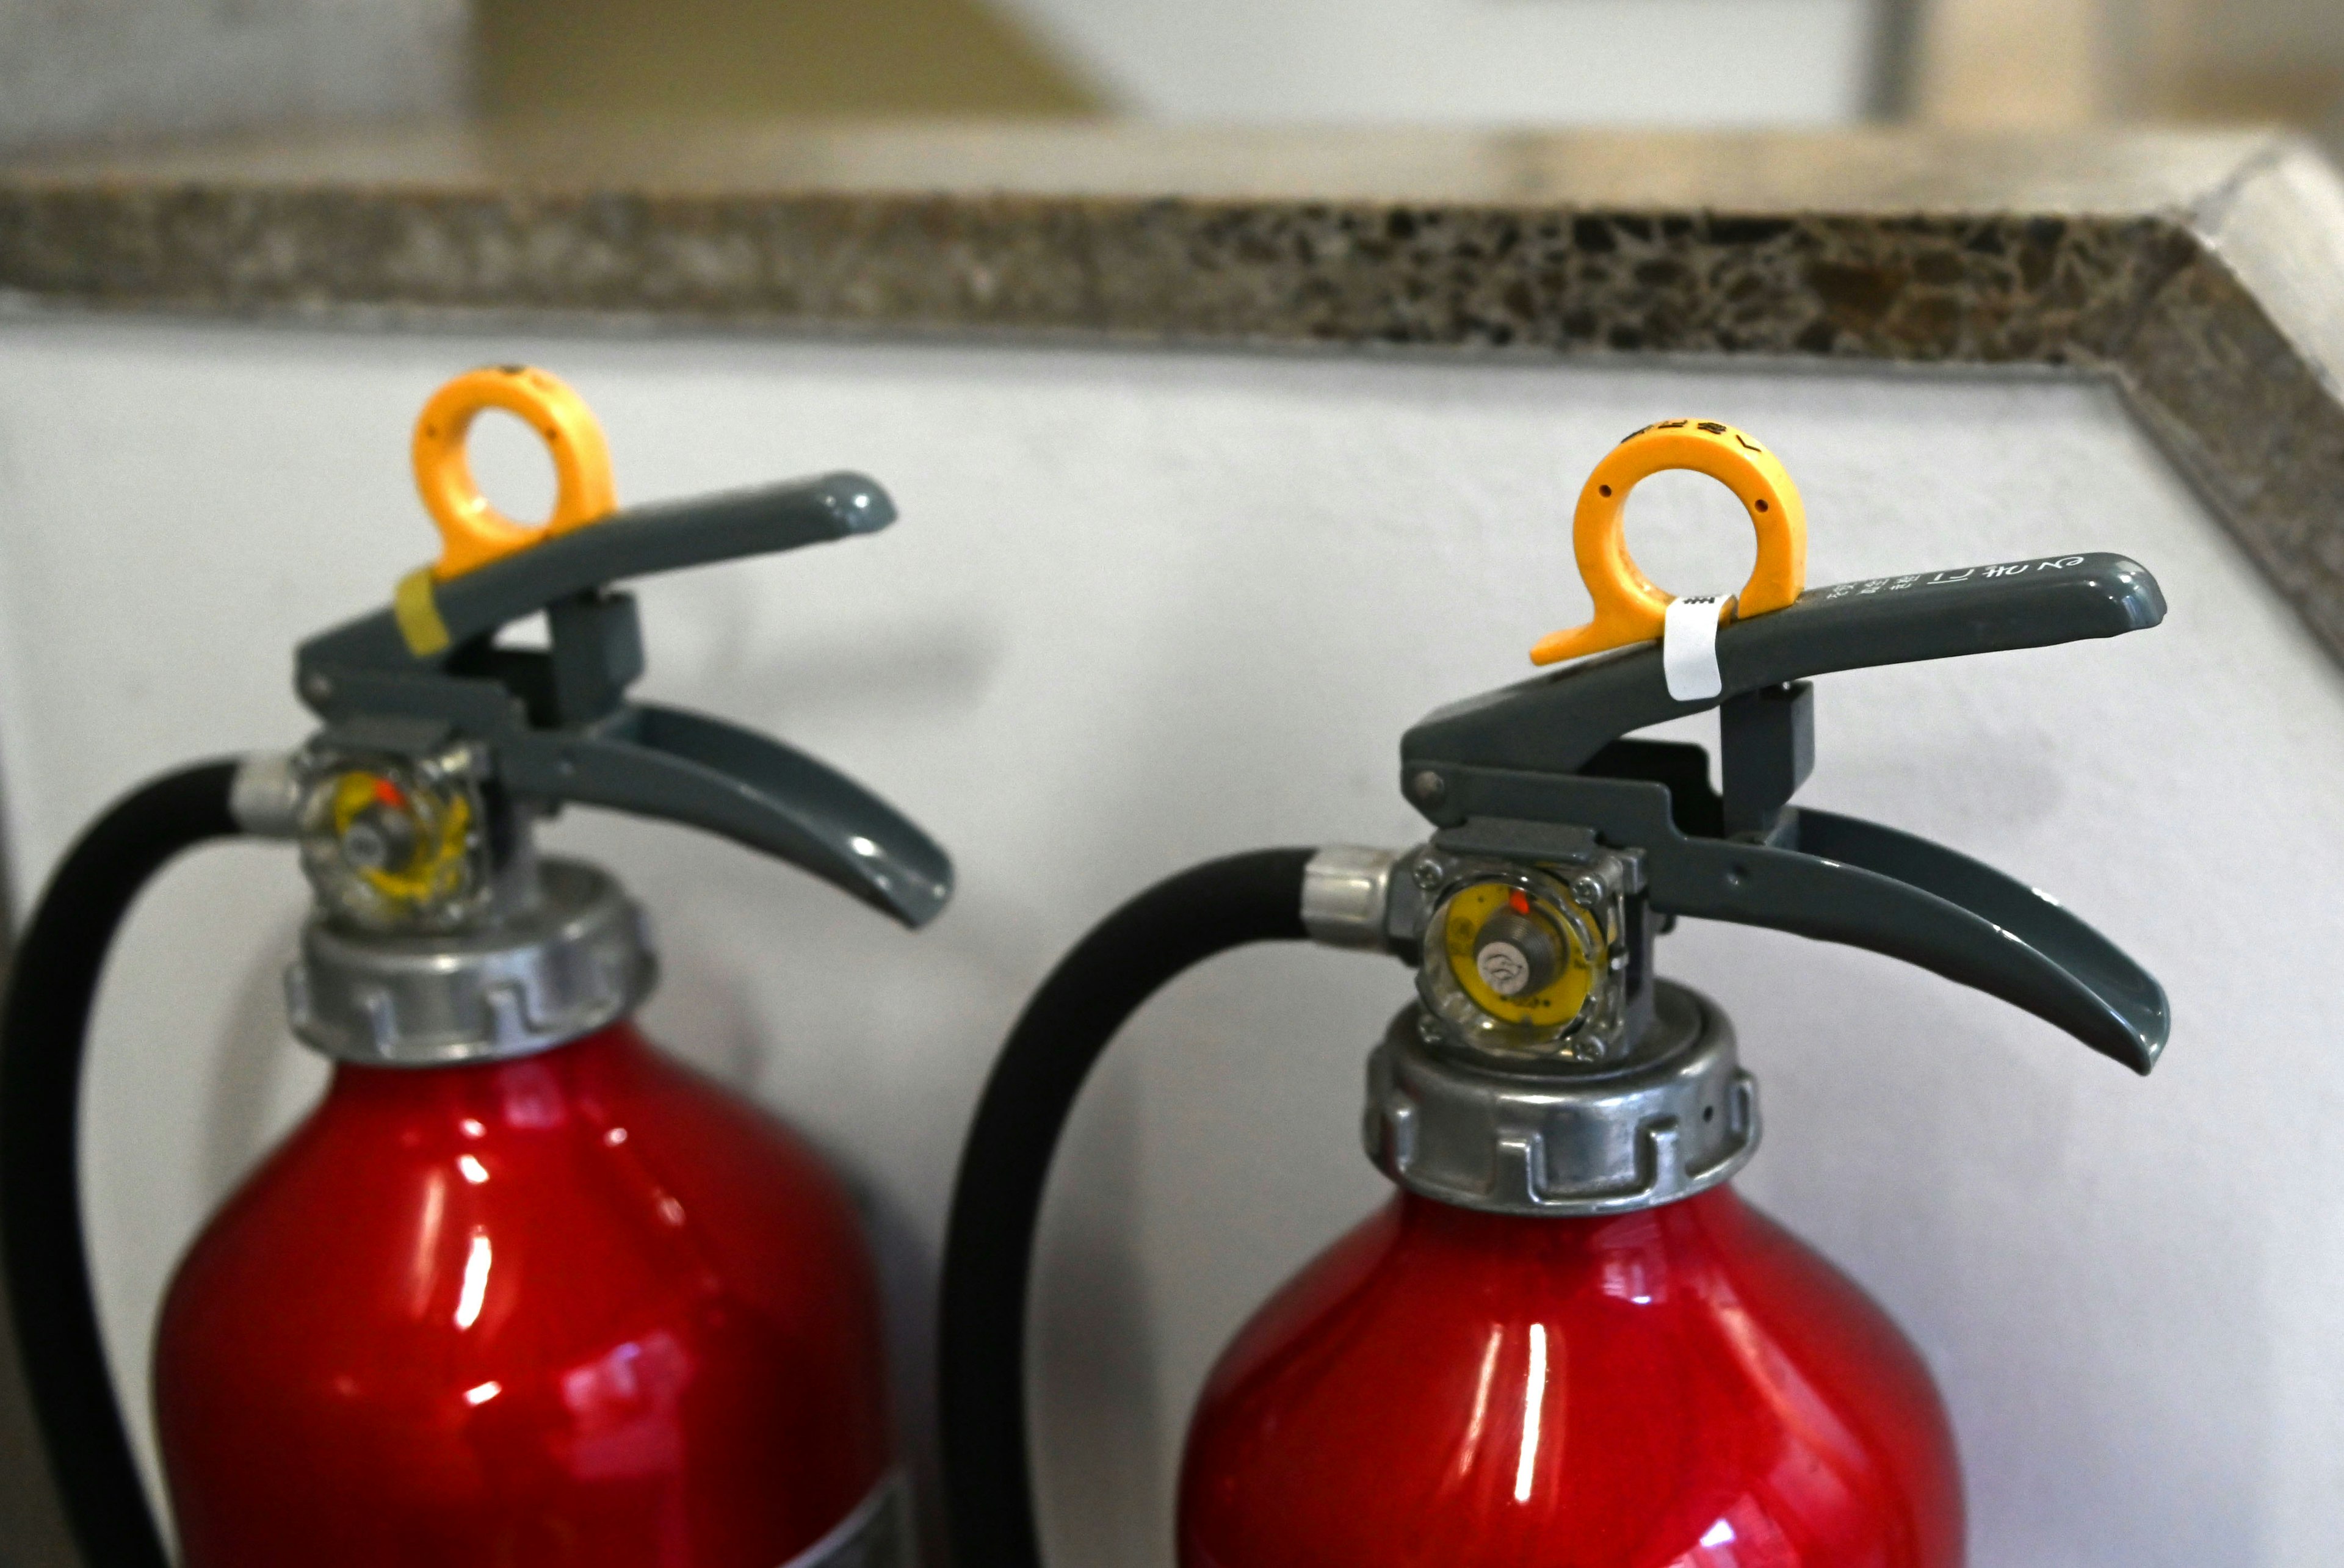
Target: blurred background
75, 71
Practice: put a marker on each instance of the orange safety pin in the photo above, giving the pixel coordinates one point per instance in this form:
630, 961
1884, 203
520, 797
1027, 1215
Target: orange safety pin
1629, 608
471, 532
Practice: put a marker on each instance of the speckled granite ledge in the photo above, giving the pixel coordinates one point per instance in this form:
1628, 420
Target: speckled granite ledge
2204, 274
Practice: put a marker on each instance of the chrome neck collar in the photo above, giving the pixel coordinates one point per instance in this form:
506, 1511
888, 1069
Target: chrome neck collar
573, 958
1555, 1139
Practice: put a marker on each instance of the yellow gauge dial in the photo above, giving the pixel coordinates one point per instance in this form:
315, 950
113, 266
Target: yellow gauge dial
408, 846
1515, 956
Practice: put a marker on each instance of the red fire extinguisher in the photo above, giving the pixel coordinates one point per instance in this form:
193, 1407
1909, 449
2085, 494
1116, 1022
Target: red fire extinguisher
1566, 1339
521, 1290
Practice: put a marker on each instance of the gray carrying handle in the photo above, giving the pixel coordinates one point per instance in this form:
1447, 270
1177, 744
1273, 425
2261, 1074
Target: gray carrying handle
757, 792
1838, 879
2112, 1004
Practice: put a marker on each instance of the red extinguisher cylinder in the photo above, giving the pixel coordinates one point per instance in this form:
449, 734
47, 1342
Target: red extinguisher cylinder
581, 1308
1686, 1386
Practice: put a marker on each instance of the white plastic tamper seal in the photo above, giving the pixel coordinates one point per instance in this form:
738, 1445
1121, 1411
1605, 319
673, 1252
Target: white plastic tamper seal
1689, 648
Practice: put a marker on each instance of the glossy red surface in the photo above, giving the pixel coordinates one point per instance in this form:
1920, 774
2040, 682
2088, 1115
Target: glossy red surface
581, 1308
1690, 1386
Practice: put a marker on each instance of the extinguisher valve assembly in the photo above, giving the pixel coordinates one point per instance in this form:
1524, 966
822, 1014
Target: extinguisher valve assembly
438, 934
1536, 774
1543, 1068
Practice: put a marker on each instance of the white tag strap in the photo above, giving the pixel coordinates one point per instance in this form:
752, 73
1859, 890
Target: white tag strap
1689, 649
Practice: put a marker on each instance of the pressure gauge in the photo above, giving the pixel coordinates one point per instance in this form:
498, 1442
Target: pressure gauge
1521, 960
392, 844
1520, 957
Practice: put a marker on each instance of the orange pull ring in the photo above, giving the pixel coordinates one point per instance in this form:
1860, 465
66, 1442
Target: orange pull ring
1628, 607
472, 532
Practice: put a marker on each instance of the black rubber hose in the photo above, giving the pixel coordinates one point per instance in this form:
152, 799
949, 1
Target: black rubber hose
997, 1199
43, 1027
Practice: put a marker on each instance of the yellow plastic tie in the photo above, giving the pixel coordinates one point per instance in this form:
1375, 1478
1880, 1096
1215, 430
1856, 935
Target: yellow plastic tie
418, 615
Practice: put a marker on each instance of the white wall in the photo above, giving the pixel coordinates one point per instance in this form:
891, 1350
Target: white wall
1633, 62
1144, 608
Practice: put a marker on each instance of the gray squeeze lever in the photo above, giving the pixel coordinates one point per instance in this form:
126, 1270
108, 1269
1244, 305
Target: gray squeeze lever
1552, 749
559, 723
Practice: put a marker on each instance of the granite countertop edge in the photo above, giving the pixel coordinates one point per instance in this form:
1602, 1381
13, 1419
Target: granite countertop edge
2196, 272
